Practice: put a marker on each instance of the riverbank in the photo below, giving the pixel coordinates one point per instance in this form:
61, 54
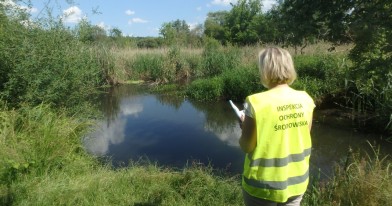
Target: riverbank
43, 163
226, 72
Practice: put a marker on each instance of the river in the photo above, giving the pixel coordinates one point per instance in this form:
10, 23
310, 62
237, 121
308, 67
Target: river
141, 126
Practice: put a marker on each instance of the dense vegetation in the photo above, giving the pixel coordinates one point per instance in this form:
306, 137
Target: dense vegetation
47, 65
49, 72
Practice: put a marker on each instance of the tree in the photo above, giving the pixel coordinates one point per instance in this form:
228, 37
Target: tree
115, 33
89, 33
300, 26
371, 30
241, 22
175, 32
196, 35
274, 27
368, 24
214, 26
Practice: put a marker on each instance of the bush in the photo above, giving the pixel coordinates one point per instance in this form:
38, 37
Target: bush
206, 89
321, 75
241, 82
217, 59
370, 79
48, 65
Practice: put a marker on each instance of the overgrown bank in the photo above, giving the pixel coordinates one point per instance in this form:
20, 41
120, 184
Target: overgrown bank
216, 72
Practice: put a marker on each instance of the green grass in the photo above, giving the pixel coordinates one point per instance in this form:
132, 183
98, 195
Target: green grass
42, 162
137, 185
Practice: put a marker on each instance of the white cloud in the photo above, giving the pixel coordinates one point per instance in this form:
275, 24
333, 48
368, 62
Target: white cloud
198, 8
29, 9
132, 109
101, 25
103, 136
28, 23
72, 15
129, 12
229, 135
137, 20
104, 26
267, 4
8, 3
33, 10
11, 4
193, 25
99, 141
223, 2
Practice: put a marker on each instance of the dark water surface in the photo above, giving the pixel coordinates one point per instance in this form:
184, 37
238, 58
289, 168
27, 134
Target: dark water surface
175, 132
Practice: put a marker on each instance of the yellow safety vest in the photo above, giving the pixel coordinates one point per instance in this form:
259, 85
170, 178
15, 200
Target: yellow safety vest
278, 168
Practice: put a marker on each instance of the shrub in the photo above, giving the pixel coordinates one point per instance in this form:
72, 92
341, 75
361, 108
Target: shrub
48, 65
217, 59
371, 75
321, 75
206, 89
241, 82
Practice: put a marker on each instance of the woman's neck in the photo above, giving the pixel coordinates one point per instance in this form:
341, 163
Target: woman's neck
279, 86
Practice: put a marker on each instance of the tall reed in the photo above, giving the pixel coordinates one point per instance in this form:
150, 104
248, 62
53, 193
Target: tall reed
364, 178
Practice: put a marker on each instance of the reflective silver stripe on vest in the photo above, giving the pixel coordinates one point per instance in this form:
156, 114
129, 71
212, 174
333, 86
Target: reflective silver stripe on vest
277, 185
279, 162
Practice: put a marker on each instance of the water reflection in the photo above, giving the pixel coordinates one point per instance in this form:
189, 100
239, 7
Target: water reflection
112, 131
170, 131
173, 131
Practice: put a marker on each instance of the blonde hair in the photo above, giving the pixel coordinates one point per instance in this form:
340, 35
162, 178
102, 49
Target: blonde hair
276, 67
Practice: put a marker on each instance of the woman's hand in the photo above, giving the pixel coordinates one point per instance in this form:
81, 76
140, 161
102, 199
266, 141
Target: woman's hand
241, 121
248, 140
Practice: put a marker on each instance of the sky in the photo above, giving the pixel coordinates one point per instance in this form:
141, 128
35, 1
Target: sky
138, 18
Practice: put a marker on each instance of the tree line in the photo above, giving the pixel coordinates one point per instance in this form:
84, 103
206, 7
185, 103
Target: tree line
297, 24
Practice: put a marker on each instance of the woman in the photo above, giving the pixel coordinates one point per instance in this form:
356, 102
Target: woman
276, 135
